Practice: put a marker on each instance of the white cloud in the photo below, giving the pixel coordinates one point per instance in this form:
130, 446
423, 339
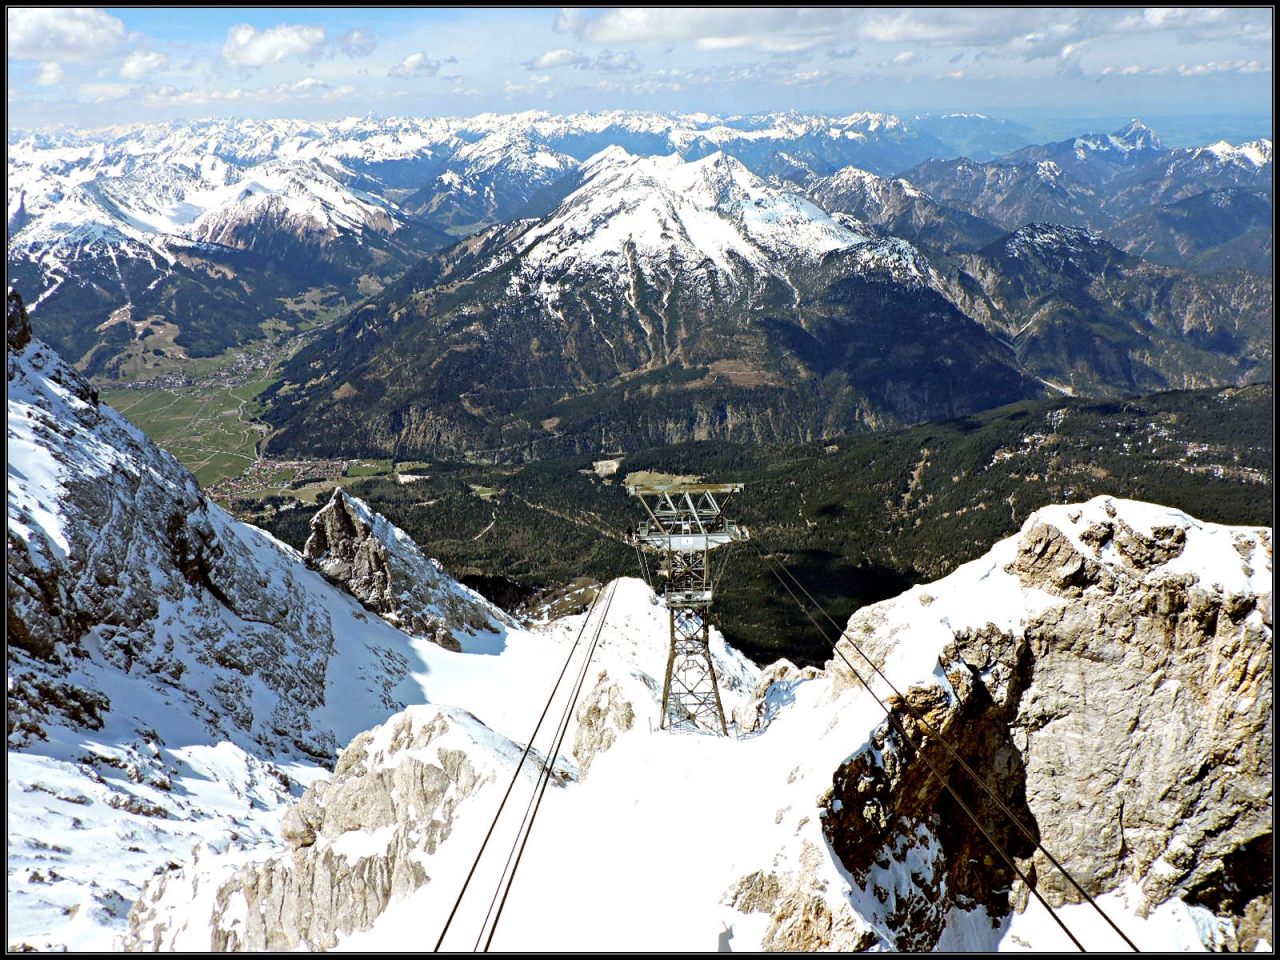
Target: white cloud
771, 29
1017, 33
807, 78
568, 19
418, 65
357, 42
561, 57
141, 62
1217, 66
102, 92
905, 57
50, 74
303, 86
1129, 71
248, 47
610, 62
308, 88
606, 61
66, 35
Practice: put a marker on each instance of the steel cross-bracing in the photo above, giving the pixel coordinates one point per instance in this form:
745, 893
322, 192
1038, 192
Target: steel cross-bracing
684, 522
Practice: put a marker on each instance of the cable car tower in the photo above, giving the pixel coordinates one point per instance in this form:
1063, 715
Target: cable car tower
685, 523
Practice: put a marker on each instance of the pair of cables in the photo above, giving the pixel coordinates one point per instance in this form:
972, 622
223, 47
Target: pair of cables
920, 719
503, 888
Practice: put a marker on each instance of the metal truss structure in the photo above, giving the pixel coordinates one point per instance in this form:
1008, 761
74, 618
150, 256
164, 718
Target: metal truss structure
684, 523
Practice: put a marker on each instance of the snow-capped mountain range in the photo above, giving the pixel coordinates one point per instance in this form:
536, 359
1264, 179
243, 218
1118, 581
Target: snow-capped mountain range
259, 214
696, 275
728, 296
1094, 180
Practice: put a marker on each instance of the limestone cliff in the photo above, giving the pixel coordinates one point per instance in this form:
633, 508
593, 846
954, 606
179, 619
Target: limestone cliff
1126, 720
387, 572
357, 843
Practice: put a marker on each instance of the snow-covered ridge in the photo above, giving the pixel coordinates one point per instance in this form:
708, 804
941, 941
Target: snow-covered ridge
853, 178
185, 197
174, 676
1255, 154
1051, 240
764, 861
660, 209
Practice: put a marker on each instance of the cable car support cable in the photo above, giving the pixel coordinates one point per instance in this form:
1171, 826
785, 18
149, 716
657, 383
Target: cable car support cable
955, 755
547, 768
515, 774
929, 728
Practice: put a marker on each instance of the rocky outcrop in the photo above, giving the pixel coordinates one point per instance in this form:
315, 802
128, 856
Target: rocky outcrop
356, 844
772, 691
800, 917
17, 324
384, 569
111, 546
119, 567
1126, 721
602, 715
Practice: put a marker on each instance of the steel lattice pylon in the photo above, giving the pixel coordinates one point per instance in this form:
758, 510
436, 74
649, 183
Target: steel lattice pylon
685, 523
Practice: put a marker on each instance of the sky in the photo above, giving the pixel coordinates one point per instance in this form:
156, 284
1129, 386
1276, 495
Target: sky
1203, 70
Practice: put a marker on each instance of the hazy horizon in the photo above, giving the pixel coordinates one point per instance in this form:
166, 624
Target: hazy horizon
1194, 75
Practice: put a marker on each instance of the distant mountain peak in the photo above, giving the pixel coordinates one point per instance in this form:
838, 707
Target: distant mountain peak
1050, 241
1134, 137
663, 209
1139, 136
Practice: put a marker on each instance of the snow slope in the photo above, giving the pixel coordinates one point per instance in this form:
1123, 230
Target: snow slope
174, 676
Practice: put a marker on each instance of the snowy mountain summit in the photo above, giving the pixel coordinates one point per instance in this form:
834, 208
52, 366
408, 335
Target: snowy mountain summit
663, 210
1134, 136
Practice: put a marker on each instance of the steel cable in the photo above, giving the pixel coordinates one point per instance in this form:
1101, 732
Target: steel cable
951, 750
515, 774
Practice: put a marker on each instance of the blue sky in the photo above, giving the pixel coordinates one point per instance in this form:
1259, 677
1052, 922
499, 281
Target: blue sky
1207, 71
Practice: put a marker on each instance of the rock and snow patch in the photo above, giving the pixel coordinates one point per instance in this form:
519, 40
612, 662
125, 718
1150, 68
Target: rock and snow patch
380, 565
1051, 242
174, 676
1076, 664
814, 829
371, 835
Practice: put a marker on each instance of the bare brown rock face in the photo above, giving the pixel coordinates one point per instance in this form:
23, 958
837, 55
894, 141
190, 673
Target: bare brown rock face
360, 551
1126, 723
